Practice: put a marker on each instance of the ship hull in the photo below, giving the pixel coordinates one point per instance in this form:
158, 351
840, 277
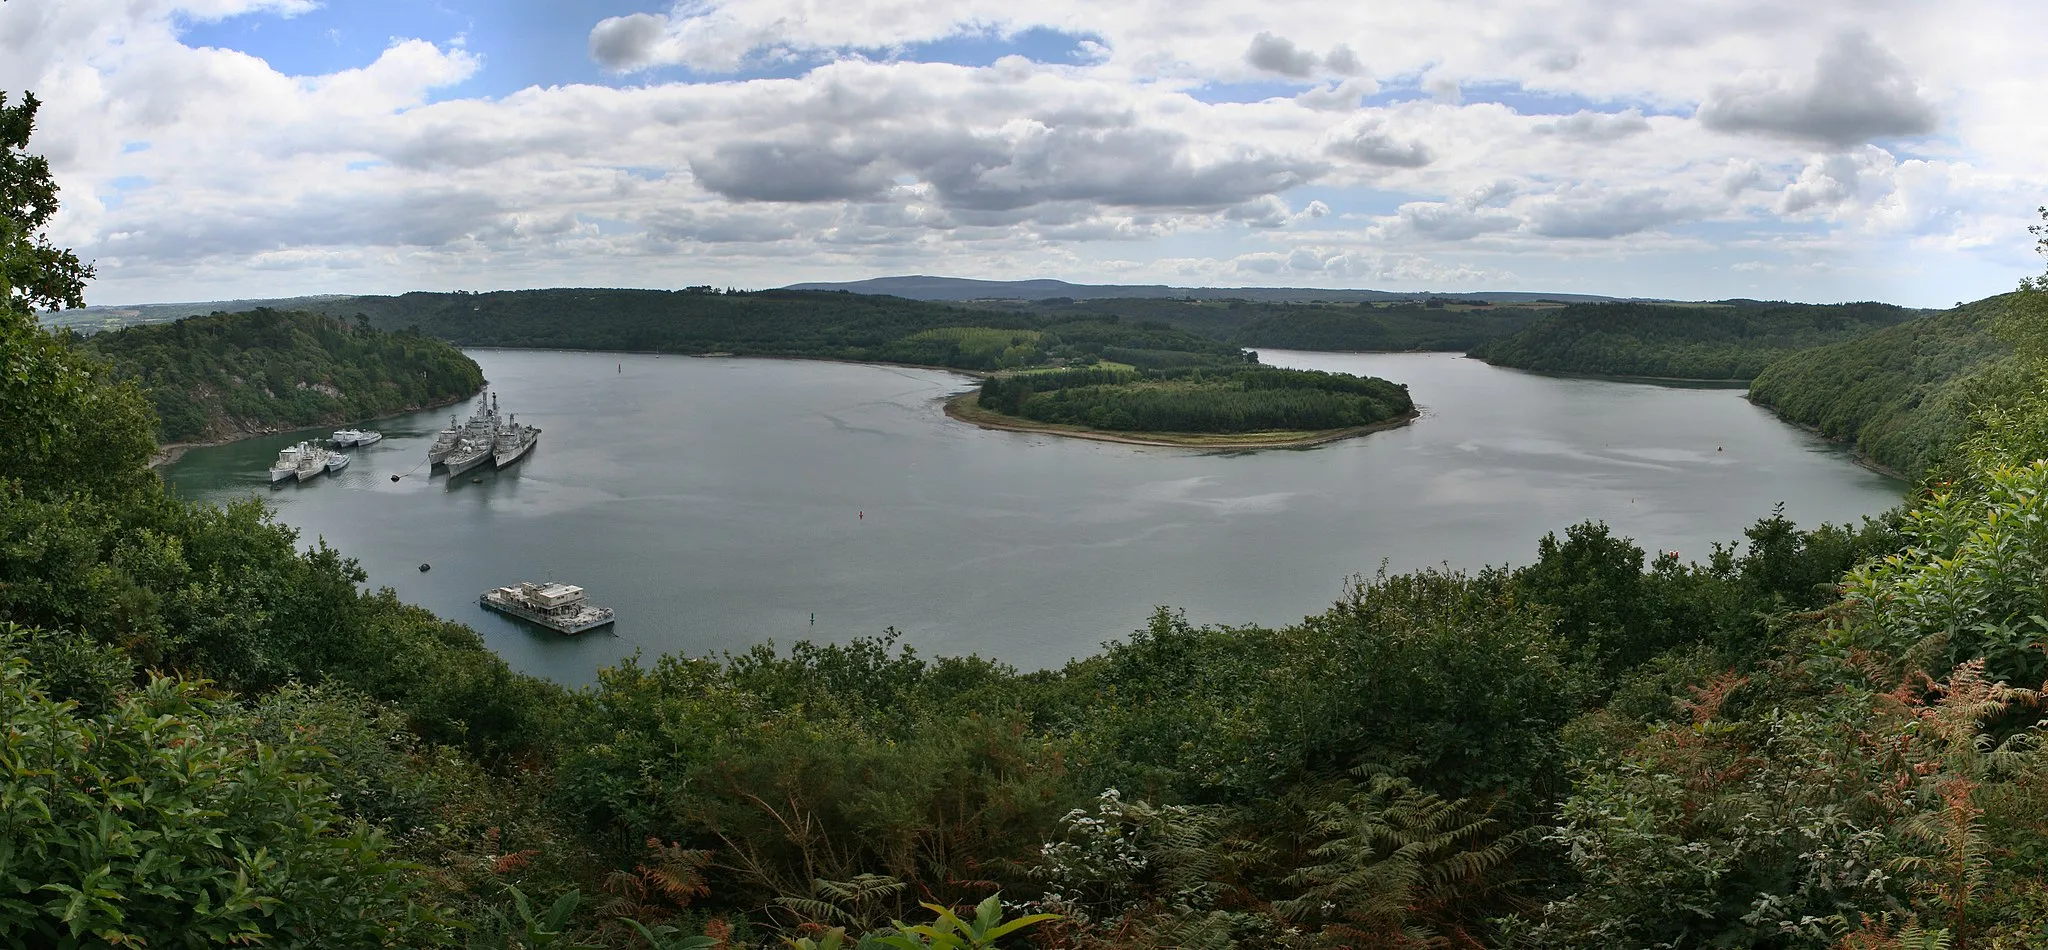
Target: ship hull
458, 465
283, 475
370, 438
337, 463
506, 459
589, 620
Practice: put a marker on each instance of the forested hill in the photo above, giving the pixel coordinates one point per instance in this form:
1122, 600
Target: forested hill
785, 323
1437, 323
1732, 339
1900, 394
232, 374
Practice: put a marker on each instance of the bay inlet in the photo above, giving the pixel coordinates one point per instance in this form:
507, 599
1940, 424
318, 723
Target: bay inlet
720, 503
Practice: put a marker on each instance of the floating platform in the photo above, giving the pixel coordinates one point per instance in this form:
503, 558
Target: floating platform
558, 607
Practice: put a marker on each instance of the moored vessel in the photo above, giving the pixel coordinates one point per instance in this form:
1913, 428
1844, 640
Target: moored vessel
343, 438
558, 607
444, 443
512, 442
336, 462
312, 461
286, 466
468, 454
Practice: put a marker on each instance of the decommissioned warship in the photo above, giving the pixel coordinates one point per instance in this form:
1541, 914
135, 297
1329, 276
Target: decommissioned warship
487, 438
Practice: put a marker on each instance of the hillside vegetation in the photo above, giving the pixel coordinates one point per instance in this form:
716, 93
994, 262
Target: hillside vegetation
1901, 395
1732, 339
232, 374
1384, 326
783, 323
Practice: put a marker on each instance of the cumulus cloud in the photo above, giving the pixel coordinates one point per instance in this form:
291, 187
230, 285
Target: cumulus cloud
1588, 126
1857, 92
1272, 211
1339, 97
1600, 213
1371, 142
1453, 221
1835, 183
1277, 54
790, 171
624, 43
1343, 61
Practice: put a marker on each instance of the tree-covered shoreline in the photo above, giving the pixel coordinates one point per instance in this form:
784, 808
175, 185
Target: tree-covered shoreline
227, 376
1731, 339
1903, 395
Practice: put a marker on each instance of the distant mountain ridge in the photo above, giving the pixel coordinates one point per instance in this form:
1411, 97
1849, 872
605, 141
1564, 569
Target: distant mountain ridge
924, 287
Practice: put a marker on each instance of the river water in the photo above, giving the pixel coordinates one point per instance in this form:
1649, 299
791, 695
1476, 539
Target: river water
718, 503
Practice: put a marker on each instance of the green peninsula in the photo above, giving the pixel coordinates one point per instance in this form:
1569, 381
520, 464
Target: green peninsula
230, 375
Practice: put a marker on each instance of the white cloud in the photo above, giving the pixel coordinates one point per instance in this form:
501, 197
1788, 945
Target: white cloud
1753, 115
1857, 92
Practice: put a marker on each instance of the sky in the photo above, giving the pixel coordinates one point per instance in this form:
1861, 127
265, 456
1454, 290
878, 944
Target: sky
1823, 150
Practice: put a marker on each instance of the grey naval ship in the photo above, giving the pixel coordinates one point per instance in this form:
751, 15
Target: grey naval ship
487, 438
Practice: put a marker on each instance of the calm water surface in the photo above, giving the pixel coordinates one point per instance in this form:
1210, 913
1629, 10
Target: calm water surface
717, 503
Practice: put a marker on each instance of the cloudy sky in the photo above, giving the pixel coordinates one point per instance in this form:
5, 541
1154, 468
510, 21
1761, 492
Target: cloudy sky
1819, 150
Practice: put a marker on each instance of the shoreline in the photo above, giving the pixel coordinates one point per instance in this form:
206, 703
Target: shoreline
973, 373
1856, 455
171, 452
965, 407
1691, 381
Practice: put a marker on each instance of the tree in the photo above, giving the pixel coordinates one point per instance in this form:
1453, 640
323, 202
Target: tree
61, 428
33, 272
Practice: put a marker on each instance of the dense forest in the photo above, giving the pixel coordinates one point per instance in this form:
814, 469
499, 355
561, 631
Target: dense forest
233, 374
1437, 324
1900, 395
785, 323
1731, 339
1232, 400
1825, 738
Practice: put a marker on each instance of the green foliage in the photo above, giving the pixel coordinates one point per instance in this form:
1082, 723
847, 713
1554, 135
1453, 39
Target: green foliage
953, 932
775, 323
1901, 395
968, 348
63, 424
228, 374
1245, 399
1399, 326
33, 273
1395, 860
821, 766
1966, 586
1733, 339
160, 821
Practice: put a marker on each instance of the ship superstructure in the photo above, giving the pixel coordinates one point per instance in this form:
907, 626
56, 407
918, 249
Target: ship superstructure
313, 461
286, 468
512, 442
444, 443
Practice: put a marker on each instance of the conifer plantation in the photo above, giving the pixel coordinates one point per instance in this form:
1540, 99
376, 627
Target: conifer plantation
1820, 737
